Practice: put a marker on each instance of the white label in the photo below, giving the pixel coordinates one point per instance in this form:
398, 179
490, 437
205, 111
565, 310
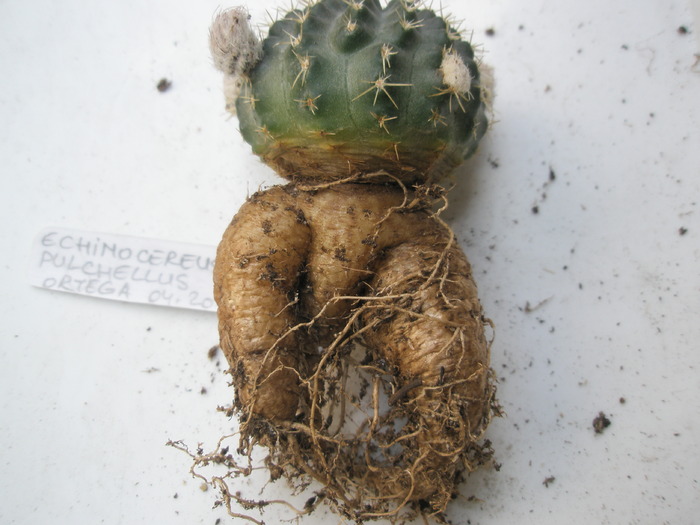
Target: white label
124, 268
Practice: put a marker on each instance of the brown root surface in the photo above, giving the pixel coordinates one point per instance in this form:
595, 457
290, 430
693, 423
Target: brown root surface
357, 347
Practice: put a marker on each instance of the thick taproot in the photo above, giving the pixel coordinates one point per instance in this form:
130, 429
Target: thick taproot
290, 256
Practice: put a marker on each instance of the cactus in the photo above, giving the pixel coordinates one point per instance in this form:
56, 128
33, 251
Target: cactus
341, 92
348, 87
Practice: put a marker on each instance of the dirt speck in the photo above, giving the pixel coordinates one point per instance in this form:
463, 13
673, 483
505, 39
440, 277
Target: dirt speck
548, 481
600, 423
163, 85
211, 354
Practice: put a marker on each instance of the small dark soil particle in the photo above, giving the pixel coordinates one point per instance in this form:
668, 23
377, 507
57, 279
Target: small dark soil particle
163, 85
600, 423
548, 481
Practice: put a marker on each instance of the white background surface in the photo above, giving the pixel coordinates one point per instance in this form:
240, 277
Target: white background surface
605, 94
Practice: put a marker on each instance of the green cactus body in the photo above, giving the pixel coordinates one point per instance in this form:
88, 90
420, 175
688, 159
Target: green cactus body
348, 87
